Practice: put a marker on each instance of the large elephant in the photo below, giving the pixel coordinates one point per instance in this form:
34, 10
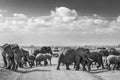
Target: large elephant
85, 60
8, 56
18, 54
67, 57
97, 58
77, 56
12, 55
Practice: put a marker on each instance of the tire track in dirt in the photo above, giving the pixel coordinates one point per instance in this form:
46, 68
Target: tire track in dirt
49, 73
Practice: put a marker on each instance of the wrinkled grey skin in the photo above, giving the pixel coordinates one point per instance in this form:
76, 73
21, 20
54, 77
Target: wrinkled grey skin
113, 59
85, 60
43, 57
77, 56
67, 57
8, 57
12, 55
97, 58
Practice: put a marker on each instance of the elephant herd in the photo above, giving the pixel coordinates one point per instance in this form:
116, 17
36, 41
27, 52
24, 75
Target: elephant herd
82, 56
14, 56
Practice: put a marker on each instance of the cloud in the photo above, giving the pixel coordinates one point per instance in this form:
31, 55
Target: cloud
62, 19
19, 16
64, 14
3, 10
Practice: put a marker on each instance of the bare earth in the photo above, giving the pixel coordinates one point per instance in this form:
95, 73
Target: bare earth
50, 73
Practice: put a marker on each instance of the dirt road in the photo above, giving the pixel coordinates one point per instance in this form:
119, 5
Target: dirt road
50, 73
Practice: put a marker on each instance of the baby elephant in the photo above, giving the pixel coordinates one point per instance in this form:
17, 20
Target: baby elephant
43, 57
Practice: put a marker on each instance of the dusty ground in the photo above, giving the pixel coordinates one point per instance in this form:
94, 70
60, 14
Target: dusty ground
50, 73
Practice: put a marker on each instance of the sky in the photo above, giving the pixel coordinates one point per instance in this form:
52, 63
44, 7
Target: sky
60, 22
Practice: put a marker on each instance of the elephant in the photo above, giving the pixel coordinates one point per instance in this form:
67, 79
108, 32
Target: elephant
67, 57
113, 59
85, 59
30, 59
8, 56
22, 56
97, 58
12, 55
43, 57
113, 51
105, 53
76, 56
43, 50
18, 54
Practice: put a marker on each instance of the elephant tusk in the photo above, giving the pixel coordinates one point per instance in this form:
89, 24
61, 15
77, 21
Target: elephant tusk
91, 59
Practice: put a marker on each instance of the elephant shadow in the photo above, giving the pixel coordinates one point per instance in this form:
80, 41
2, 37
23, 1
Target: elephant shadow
34, 70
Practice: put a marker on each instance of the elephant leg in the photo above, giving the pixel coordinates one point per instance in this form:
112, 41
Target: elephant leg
77, 67
33, 62
99, 64
114, 66
5, 62
83, 64
40, 63
9, 63
89, 65
109, 67
118, 65
25, 64
103, 67
13, 64
16, 66
74, 65
67, 67
36, 63
20, 65
30, 64
77, 63
45, 63
58, 66
50, 62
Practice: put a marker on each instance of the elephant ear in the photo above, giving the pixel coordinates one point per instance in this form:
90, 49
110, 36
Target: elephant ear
24, 52
49, 50
8, 50
5, 45
15, 46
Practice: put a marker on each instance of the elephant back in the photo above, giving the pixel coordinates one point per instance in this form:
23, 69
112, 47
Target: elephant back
39, 57
45, 50
67, 52
83, 52
36, 52
67, 56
